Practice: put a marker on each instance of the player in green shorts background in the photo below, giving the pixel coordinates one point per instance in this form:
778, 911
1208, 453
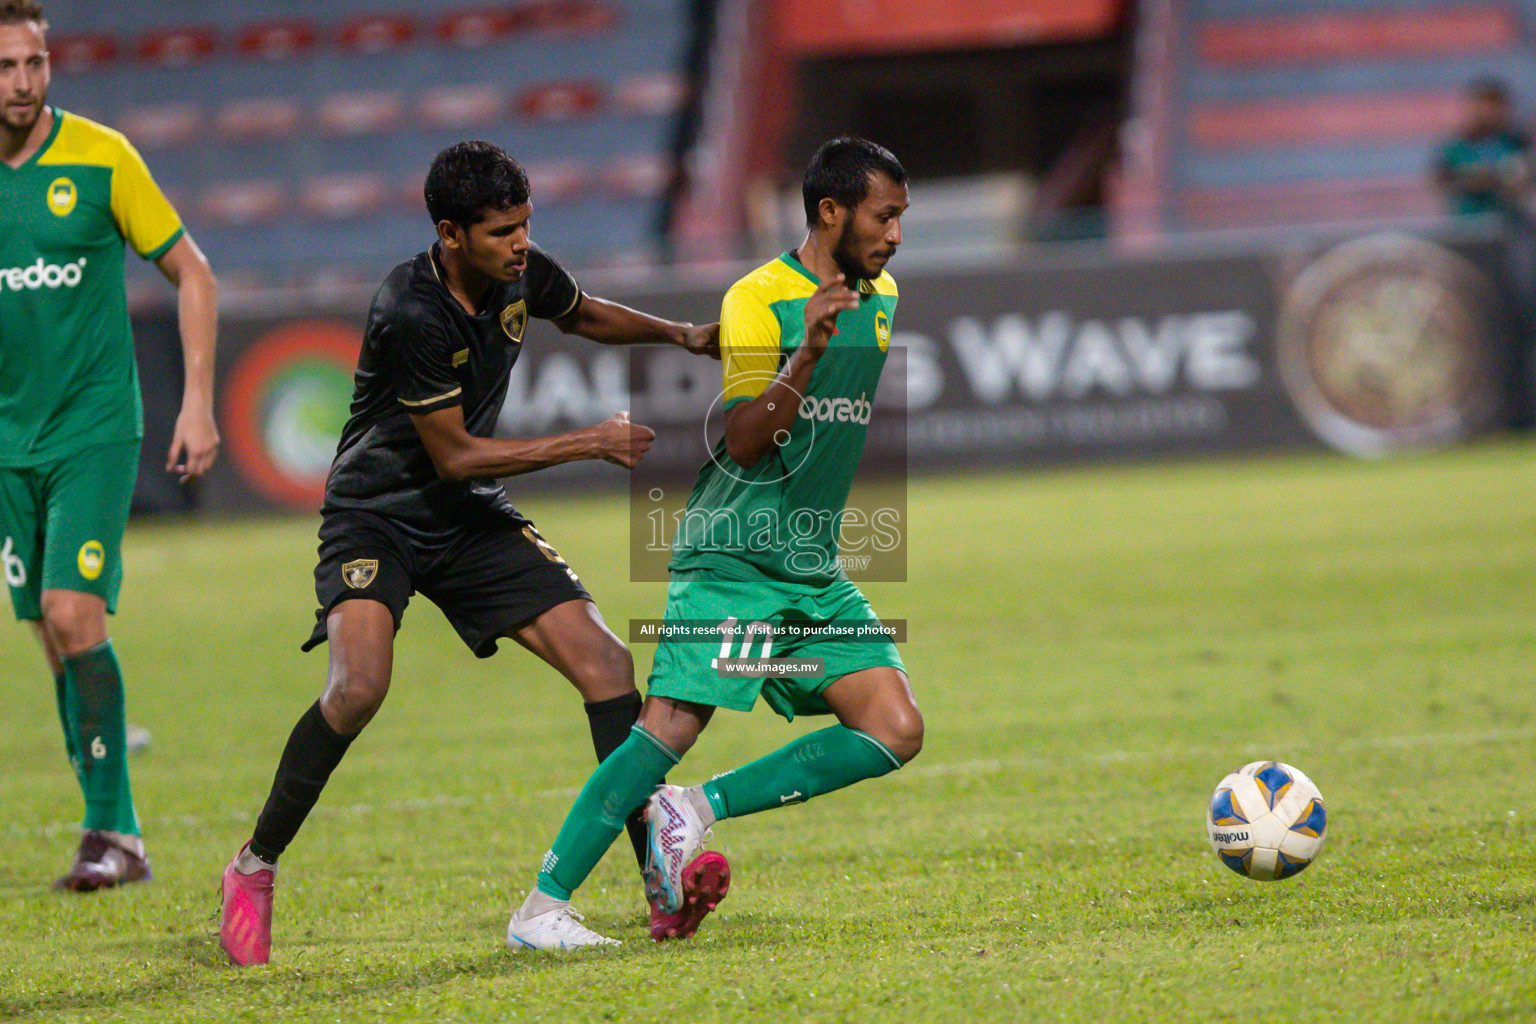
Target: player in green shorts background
72, 193
803, 340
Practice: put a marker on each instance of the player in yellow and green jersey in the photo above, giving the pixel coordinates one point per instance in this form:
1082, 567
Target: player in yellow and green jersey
803, 340
72, 192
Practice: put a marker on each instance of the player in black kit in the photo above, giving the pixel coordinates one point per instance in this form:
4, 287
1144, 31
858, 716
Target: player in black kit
412, 502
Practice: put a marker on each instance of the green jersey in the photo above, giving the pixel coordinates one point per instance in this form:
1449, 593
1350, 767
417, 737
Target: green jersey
1502, 153
780, 519
67, 375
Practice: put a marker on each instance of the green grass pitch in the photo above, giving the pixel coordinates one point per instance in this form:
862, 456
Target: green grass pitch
1093, 650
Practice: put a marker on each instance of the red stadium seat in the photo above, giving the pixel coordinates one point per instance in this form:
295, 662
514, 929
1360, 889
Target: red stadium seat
360, 113
1311, 121
560, 101
474, 29
1359, 35
658, 94
178, 47
240, 203
276, 40
1311, 203
81, 52
162, 124
557, 180
462, 106
639, 176
376, 33
250, 120
344, 196
575, 17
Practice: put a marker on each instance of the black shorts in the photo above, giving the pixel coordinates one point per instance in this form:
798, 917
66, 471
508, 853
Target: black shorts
488, 578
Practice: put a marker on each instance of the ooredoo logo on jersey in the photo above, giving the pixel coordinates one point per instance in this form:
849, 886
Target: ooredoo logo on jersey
837, 410
42, 275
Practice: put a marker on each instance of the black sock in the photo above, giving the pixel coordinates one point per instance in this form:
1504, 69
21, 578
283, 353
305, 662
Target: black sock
610, 721
314, 750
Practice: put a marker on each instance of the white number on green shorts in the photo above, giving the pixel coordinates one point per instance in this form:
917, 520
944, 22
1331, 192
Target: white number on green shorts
729, 632
15, 568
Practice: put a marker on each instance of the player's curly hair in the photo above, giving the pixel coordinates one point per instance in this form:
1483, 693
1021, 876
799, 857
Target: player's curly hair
469, 178
840, 171
19, 12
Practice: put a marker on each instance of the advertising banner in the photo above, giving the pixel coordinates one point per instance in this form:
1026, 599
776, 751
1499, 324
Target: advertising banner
1368, 345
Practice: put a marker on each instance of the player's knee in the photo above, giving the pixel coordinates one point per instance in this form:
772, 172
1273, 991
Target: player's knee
73, 622
905, 732
605, 672
352, 699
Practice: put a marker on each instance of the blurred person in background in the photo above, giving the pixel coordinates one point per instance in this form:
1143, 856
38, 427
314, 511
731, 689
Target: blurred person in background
1485, 167
72, 192
1486, 170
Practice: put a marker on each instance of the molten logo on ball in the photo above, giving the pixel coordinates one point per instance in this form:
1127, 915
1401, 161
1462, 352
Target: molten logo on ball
1266, 821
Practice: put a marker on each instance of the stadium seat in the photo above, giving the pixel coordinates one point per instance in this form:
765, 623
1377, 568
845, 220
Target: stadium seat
474, 30
244, 120
178, 47
657, 94
376, 33
559, 181
1287, 112
360, 113
460, 106
560, 101
276, 40
280, 129
242, 203
637, 176
164, 124
74, 54
344, 196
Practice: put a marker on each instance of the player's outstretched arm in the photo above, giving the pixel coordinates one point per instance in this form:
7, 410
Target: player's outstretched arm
756, 427
459, 455
609, 323
195, 443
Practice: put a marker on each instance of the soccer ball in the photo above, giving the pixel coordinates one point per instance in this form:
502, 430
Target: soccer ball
1266, 821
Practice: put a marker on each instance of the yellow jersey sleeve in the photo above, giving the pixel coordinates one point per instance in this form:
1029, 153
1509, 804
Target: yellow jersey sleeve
143, 214
749, 344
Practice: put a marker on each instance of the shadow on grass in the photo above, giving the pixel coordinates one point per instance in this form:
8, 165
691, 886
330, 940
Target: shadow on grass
194, 967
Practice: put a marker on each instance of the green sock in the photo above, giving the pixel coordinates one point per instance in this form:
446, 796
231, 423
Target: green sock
819, 763
622, 783
71, 746
95, 681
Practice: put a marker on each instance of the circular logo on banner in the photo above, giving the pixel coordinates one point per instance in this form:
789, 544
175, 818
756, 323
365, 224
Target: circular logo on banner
287, 401
1385, 345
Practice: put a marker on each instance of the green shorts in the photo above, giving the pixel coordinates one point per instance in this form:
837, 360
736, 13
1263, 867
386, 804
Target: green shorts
710, 619
61, 524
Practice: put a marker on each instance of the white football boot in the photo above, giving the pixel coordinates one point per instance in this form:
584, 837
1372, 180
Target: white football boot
560, 928
675, 835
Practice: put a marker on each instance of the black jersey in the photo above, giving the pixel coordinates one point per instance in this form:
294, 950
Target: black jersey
422, 352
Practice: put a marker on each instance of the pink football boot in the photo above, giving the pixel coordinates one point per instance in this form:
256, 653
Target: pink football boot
245, 926
706, 880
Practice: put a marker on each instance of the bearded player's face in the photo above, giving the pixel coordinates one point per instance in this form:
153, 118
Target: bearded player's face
24, 75
871, 231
